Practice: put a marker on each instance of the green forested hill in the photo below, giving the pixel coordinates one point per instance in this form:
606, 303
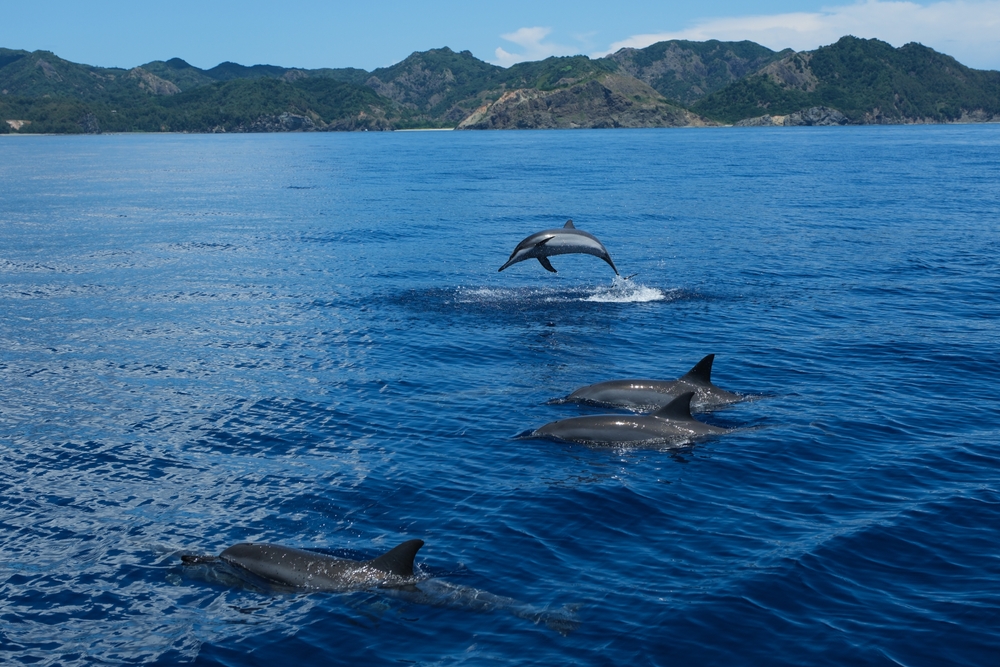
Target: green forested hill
263, 105
853, 81
42, 73
686, 71
440, 84
239, 105
179, 73
186, 76
868, 81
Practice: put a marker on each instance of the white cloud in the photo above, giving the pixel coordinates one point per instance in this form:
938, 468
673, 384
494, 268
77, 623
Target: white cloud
968, 31
532, 46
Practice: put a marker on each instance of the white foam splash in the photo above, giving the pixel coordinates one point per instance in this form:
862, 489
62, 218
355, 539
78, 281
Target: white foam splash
623, 290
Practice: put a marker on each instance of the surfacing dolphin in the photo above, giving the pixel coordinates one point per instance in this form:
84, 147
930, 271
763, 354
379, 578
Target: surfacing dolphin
670, 425
642, 395
286, 567
564, 241
272, 568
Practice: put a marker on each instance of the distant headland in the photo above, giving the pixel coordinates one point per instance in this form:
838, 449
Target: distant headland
675, 83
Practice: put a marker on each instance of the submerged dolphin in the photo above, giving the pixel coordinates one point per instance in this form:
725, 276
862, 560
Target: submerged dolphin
440, 593
309, 570
563, 241
671, 424
641, 395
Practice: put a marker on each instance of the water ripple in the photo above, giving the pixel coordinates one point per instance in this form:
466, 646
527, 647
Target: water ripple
196, 353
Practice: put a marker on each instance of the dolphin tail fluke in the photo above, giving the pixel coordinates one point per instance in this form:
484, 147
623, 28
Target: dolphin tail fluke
399, 560
679, 408
702, 371
546, 264
569, 225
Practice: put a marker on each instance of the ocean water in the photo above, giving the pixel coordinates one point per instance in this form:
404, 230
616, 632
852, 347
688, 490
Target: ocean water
303, 339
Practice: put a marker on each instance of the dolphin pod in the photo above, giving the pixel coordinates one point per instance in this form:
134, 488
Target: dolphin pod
277, 567
309, 570
563, 241
641, 395
670, 424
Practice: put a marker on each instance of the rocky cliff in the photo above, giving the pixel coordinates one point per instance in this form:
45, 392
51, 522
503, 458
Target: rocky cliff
608, 101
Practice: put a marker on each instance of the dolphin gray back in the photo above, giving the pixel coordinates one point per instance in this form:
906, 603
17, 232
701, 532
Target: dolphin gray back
536, 246
309, 569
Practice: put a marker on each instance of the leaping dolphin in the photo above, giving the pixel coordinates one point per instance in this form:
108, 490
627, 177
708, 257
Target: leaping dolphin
641, 395
309, 570
671, 424
562, 241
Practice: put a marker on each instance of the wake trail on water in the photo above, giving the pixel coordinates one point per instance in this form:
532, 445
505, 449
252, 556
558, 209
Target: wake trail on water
621, 290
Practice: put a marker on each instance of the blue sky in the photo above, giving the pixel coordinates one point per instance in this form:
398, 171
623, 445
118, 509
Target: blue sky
312, 33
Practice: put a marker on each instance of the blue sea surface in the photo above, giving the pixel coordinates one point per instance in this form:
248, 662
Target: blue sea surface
303, 339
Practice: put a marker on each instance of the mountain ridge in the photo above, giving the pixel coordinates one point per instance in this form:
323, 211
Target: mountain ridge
667, 84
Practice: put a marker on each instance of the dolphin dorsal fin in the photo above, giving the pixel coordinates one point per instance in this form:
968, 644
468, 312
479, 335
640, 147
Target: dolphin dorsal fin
679, 408
399, 559
702, 371
569, 225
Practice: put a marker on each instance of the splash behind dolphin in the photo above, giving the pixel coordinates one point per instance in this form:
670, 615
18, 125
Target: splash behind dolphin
670, 425
641, 395
564, 241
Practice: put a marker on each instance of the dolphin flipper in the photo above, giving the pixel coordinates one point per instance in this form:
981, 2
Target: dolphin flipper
546, 264
701, 373
399, 560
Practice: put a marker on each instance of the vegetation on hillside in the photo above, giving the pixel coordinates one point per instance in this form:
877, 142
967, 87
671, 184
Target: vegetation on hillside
686, 71
866, 80
556, 72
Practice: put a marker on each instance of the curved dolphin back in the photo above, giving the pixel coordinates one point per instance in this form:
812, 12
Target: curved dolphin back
678, 409
399, 560
567, 240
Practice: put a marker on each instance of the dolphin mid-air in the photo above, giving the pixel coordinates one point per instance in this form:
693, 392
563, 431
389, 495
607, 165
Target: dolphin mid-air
309, 570
641, 395
670, 425
564, 241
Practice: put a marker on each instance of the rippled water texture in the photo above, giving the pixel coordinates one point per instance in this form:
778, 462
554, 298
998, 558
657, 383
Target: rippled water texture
304, 339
